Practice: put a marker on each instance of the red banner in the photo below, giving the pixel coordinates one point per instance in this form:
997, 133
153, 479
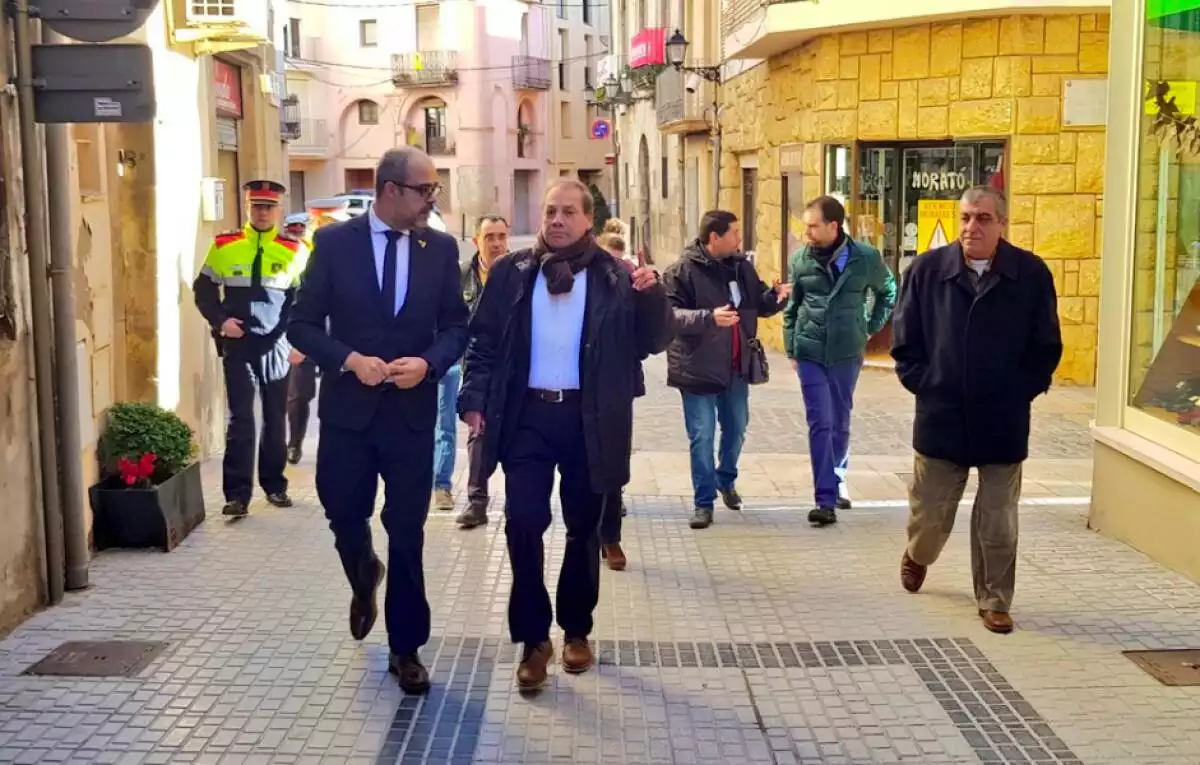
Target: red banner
648, 48
227, 87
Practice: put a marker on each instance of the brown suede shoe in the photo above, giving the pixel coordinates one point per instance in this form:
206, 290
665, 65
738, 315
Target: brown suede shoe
912, 574
996, 621
532, 671
614, 555
577, 655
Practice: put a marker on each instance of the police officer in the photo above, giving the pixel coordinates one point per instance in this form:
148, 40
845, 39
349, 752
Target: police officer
302, 382
258, 270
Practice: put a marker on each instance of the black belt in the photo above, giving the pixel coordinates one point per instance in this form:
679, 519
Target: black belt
553, 396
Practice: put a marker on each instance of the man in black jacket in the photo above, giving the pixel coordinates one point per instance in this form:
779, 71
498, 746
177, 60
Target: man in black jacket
491, 241
551, 371
717, 298
976, 340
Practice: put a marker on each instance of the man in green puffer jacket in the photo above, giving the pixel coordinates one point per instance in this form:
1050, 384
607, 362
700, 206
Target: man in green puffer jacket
825, 329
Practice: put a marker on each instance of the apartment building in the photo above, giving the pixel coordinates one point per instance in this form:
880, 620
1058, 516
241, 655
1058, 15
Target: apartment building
492, 91
665, 120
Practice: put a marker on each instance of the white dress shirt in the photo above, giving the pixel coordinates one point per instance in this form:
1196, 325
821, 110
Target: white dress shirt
556, 334
379, 231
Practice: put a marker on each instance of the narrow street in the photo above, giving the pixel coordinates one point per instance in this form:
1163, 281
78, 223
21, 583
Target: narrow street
759, 640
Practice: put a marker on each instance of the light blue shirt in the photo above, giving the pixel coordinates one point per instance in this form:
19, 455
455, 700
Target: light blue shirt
379, 231
556, 334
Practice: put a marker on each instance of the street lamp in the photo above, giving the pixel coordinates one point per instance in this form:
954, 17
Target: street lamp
677, 46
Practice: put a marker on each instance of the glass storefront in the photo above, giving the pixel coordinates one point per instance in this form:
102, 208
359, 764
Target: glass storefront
1164, 375
906, 199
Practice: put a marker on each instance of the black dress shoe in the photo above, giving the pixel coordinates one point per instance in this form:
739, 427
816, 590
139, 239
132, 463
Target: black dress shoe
280, 499
844, 503
363, 609
822, 516
414, 678
235, 508
294, 453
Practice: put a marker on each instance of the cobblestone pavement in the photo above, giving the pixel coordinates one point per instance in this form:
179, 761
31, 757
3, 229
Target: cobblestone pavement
759, 640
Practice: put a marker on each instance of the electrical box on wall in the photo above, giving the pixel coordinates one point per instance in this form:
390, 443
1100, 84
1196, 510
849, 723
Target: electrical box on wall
212, 199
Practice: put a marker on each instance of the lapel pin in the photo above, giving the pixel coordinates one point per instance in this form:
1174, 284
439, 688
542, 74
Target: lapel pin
421, 243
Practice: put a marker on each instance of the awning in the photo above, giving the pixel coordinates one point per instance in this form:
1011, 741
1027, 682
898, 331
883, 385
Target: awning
1183, 15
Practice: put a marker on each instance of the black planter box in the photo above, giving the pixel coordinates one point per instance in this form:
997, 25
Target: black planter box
158, 517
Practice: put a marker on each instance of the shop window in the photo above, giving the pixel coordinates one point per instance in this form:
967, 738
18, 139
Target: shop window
368, 113
1165, 355
792, 207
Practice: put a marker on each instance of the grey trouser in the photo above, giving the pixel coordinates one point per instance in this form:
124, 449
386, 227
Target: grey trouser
937, 488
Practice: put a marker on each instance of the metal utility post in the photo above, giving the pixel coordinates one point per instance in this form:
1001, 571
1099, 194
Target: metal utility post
39, 294
66, 364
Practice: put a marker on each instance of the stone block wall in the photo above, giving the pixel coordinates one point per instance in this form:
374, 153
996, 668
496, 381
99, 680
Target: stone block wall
975, 78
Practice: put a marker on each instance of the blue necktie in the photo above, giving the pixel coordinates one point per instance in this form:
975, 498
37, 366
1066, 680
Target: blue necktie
389, 271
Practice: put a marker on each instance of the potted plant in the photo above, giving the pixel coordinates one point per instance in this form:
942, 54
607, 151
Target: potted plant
149, 494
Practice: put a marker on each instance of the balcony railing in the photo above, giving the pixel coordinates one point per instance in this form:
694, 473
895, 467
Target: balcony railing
312, 139
531, 72
438, 145
425, 68
678, 110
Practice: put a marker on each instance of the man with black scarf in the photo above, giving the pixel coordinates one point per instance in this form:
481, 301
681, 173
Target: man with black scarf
825, 332
551, 371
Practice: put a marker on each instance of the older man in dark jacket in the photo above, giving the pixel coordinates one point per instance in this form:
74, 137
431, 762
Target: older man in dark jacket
717, 298
551, 373
976, 339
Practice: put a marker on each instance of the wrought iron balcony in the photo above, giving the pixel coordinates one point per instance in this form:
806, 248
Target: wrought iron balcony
289, 117
531, 73
438, 145
678, 110
312, 139
425, 68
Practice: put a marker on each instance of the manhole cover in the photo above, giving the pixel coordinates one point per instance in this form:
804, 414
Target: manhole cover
98, 658
1177, 666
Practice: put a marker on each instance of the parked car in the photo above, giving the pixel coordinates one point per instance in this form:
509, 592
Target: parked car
362, 199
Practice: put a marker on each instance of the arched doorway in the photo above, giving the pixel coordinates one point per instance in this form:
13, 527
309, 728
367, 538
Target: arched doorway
643, 206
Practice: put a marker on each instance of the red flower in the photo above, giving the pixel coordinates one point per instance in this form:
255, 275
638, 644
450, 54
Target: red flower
133, 473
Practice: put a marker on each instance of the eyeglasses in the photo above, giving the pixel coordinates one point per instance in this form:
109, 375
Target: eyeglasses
427, 190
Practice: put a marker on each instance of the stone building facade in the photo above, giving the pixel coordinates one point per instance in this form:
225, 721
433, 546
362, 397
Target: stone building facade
995, 86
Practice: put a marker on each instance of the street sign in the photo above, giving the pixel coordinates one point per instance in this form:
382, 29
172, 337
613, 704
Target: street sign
93, 83
94, 20
600, 129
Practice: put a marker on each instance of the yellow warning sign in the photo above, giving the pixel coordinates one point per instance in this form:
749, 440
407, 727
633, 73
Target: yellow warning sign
937, 223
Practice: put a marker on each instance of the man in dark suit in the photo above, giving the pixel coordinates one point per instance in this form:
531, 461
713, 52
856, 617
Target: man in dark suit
389, 288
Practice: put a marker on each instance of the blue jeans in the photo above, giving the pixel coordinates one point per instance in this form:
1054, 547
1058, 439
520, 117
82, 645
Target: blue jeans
730, 408
828, 398
445, 442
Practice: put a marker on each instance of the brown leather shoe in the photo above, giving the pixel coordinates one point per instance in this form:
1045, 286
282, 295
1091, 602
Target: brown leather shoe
533, 669
414, 678
614, 555
577, 655
996, 621
912, 574
363, 609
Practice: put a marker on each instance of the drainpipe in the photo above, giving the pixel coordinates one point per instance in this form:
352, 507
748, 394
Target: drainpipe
39, 294
66, 364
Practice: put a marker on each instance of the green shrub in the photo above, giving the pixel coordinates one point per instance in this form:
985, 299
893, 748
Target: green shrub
135, 428
600, 211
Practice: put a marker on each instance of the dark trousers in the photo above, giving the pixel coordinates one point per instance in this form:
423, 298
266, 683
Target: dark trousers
828, 400
550, 436
610, 519
247, 375
302, 389
349, 466
477, 481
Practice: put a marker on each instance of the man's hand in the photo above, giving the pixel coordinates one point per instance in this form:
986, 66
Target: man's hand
644, 278
370, 370
232, 328
782, 291
295, 357
795, 364
726, 316
407, 372
475, 423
